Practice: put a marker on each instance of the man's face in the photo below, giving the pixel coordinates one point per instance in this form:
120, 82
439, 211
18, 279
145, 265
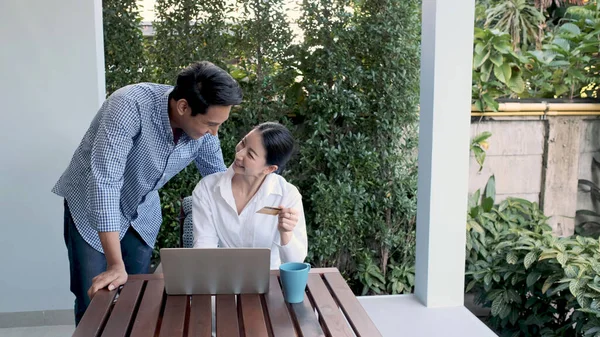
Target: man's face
199, 125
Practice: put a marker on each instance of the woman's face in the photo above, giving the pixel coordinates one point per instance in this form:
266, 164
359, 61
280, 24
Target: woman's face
251, 156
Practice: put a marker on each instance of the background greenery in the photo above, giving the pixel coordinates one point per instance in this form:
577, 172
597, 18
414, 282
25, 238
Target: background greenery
349, 91
535, 283
541, 49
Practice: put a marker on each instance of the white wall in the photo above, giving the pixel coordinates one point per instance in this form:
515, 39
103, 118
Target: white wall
51, 85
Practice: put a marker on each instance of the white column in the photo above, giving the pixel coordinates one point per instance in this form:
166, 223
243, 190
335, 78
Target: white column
51, 86
446, 63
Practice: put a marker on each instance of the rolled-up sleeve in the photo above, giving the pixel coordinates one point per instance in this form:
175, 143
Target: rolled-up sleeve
297, 249
210, 156
118, 125
205, 233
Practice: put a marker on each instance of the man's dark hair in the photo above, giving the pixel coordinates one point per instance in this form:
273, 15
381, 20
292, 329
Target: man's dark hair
203, 84
279, 143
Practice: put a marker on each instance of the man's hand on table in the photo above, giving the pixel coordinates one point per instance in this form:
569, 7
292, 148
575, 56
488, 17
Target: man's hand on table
114, 277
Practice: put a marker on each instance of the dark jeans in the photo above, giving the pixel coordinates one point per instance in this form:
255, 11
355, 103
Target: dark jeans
85, 262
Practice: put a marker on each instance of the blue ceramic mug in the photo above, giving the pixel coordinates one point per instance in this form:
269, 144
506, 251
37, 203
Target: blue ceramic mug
293, 280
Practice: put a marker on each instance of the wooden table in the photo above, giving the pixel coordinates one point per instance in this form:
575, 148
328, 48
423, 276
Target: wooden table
141, 308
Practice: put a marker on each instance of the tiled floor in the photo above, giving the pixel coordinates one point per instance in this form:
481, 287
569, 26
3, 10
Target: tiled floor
39, 331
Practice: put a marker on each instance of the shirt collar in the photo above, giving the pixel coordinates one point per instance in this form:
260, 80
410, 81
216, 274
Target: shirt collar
163, 118
161, 114
271, 185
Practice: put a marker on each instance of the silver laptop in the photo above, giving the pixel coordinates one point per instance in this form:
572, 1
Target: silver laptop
192, 271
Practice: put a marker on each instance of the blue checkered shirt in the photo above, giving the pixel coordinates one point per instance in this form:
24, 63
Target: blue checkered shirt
125, 157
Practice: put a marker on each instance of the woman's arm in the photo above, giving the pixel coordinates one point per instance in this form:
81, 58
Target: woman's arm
293, 246
205, 233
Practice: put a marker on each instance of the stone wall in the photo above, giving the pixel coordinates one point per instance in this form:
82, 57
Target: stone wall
546, 159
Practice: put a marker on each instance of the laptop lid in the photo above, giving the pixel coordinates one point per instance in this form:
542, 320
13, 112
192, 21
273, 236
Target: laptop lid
192, 271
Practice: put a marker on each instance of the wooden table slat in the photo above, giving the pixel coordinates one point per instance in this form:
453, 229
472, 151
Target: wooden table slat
121, 315
173, 321
93, 322
200, 324
227, 316
277, 310
149, 312
307, 319
329, 309
354, 311
253, 316
145, 277
329, 312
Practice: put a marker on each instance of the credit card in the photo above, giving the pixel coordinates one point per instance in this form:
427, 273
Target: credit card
269, 210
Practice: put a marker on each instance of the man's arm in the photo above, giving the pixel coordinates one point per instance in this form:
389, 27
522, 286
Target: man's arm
210, 156
114, 139
115, 274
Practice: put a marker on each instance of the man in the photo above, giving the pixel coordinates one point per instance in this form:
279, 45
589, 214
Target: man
142, 136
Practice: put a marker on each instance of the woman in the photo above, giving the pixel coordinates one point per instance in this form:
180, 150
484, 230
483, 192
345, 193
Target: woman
225, 204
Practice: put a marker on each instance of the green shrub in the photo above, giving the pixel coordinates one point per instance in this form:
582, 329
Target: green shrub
536, 284
564, 64
358, 101
187, 31
123, 43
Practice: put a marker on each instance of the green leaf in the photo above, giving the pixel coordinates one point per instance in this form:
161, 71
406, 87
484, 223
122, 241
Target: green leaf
497, 59
596, 288
560, 89
479, 156
562, 43
487, 204
516, 84
505, 311
513, 318
474, 199
570, 28
503, 73
490, 188
562, 258
532, 278
499, 74
481, 137
502, 46
490, 102
530, 302
548, 283
512, 258
559, 288
238, 73
498, 306
486, 71
574, 287
479, 59
479, 104
571, 271
470, 285
476, 227
479, 47
487, 280
530, 258
513, 296
583, 301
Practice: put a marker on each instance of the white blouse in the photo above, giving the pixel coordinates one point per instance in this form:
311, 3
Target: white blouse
217, 223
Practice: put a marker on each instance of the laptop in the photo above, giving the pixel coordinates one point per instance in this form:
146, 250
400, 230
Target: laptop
213, 271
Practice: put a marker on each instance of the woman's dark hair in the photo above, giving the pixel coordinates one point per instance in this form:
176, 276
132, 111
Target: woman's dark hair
203, 84
278, 142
